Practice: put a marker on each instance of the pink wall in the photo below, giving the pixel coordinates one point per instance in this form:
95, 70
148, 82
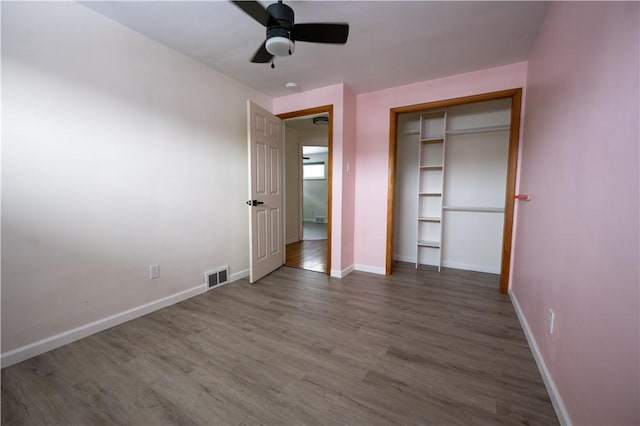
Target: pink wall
343, 182
348, 177
577, 241
372, 146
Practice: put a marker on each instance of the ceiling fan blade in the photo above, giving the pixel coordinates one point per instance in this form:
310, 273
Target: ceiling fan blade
321, 33
256, 11
262, 56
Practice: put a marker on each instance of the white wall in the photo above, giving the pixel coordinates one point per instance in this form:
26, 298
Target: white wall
117, 153
293, 175
405, 201
315, 191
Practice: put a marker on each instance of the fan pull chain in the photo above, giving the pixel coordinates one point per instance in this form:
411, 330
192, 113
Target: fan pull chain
272, 64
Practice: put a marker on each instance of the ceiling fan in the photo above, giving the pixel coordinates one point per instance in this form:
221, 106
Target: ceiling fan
282, 32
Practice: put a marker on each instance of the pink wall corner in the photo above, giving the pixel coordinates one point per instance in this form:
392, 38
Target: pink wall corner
348, 177
578, 239
330, 95
372, 145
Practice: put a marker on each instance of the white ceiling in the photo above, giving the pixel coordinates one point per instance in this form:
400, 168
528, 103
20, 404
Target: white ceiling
390, 43
305, 124
314, 150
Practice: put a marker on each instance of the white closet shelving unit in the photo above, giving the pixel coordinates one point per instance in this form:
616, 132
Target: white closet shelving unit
450, 186
431, 163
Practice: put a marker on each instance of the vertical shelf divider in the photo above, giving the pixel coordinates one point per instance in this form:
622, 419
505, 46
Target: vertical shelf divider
418, 208
431, 166
442, 191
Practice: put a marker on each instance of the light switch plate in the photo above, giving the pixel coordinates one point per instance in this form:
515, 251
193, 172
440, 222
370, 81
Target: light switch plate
154, 271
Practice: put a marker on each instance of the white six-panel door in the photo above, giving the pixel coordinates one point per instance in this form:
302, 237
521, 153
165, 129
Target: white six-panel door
266, 168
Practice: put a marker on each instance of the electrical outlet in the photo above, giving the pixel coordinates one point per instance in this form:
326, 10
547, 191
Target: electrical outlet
550, 320
154, 271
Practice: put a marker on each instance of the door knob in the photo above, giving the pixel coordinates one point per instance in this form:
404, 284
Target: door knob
254, 203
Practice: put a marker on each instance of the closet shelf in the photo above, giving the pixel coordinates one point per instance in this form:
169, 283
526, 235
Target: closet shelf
432, 140
478, 130
431, 167
474, 209
433, 244
430, 194
429, 219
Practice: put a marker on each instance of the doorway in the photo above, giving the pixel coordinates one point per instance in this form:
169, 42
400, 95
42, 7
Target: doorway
308, 189
511, 155
314, 192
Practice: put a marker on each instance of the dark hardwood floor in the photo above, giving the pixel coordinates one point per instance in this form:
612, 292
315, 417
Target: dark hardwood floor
418, 347
307, 254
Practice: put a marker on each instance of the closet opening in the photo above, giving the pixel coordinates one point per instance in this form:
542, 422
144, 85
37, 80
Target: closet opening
452, 176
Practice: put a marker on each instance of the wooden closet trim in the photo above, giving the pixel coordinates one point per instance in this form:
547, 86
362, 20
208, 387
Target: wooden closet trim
514, 142
317, 110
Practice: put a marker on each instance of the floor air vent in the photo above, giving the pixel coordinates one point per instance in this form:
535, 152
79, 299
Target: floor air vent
216, 277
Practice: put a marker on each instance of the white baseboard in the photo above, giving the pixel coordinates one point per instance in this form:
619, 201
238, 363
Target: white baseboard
239, 275
454, 265
292, 240
61, 339
554, 394
467, 267
343, 273
401, 258
371, 269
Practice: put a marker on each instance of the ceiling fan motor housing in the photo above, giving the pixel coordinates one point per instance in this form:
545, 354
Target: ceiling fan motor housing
284, 21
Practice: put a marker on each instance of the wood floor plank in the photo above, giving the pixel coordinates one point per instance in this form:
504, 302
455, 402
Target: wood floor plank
310, 255
298, 347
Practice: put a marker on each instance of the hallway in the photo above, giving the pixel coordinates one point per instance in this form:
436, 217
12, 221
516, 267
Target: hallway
310, 253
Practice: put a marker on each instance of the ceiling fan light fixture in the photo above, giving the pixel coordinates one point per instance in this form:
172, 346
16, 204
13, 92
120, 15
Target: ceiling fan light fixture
280, 46
282, 31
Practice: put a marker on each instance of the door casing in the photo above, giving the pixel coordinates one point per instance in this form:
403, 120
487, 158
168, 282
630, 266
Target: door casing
514, 141
310, 111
